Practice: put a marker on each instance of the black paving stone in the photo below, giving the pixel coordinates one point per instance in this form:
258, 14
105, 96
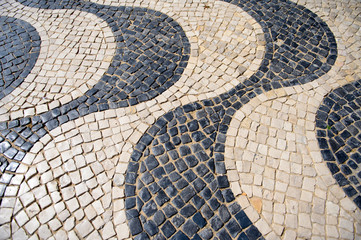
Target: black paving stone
190, 175
223, 235
206, 234
151, 162
233, 228
216, 223
199, 184
10, 153
184, 150
243, 236
199, 220
178, 221
188, 211
202, 170
154, 188
171, 191
132, 213
19, 156
181, 165
161, 198
4, 146
198, 202
182, 183
144, 194
252, 233
142, 236
206, 193
158, 150
151, 228
174, 176
214, 204
223, 181
164, 182
187, 193
12, 167
168, 229
130, 203
357, 201
180, 236
135, 226
159, 218
228, 195
191, 161
158, 173
224, 214
207, 212
190, 228
169, 210
150, 208
242, 219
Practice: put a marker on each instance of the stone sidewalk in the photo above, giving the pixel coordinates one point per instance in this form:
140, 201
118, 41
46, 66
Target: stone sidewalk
180, 119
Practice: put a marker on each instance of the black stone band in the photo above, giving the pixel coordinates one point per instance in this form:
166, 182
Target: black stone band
338, 123
19, 50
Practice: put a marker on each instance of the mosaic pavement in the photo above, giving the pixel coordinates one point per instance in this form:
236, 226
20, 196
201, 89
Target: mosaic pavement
180, 119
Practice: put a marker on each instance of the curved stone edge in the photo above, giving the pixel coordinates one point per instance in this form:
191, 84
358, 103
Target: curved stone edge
38, 168
335, 161
252, 204
34, 51
11, 112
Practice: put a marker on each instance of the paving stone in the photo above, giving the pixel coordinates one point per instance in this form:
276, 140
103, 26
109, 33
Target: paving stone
84, 228
46, 215
32, 226
206, 234
190, 228
243, 54
168, 229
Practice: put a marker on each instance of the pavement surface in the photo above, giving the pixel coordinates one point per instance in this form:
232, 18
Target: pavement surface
236, 119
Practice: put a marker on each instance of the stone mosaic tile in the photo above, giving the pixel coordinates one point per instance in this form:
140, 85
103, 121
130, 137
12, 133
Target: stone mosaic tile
19, 47
152, 52
71, 180
154, 63
66, 68
210, 119
277, 172
165, 156
180, 181
337, 123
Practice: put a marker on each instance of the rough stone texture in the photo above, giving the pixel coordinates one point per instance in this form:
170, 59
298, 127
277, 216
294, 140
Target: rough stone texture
19, 47
226, 148
338, 127
295, 185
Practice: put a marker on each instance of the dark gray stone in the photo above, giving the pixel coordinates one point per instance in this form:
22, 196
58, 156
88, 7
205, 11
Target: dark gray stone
188, 211
216, 223
150, 208
168, 229
190, 228
135, 226
151, 228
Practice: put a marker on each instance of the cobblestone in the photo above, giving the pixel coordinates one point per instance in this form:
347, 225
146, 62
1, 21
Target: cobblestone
181, 120
20, 47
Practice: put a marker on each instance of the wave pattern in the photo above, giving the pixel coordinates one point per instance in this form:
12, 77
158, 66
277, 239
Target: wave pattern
338, 123
176, 183
19, 50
